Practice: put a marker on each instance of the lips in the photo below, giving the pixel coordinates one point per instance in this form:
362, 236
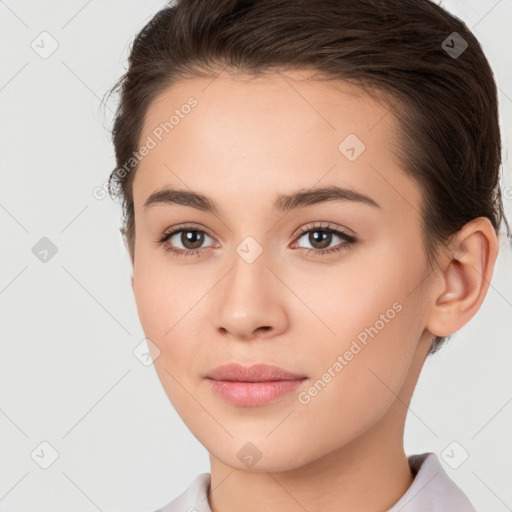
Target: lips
254, 373
253, 386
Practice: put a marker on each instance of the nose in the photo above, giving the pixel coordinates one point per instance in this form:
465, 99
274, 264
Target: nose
251, 300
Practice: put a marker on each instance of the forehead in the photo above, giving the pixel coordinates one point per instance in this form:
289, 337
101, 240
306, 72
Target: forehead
243, 105
279, 132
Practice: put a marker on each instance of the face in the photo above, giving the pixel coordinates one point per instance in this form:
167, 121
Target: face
327, 285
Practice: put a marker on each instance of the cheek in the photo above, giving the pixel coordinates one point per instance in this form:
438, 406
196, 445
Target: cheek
344, 302
168, 310
168, 305
368, 317
359, 373
163, 293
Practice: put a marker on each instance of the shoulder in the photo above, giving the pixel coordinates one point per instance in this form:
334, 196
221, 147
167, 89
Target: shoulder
193, 499
432, 489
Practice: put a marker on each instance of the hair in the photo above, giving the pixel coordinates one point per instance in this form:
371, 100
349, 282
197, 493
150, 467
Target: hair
445, 104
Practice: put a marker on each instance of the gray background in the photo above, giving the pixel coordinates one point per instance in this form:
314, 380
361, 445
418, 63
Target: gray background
68, 375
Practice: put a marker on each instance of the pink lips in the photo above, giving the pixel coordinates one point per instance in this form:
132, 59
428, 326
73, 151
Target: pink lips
252, 386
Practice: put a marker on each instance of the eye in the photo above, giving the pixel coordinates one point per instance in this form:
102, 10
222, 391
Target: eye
189, 237
320, 237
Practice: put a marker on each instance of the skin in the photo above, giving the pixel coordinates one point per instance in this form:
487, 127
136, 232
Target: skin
247, 141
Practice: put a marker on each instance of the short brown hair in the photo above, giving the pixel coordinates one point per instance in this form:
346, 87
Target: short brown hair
446, 103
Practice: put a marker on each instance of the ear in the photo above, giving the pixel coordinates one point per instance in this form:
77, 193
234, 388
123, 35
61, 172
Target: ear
132, 283
465, 277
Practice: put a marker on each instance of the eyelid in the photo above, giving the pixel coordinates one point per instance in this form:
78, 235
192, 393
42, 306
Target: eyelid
324, 225
184, 227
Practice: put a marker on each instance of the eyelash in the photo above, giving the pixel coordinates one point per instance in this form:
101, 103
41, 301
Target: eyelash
349, 240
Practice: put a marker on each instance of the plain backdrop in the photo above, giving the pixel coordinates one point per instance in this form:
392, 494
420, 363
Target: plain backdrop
71, 387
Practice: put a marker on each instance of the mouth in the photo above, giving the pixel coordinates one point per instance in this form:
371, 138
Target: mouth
254, 373
253, 386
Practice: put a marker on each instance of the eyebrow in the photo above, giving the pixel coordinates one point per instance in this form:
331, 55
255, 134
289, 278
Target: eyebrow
284, 203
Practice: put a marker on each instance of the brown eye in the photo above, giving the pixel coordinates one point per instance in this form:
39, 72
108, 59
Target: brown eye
185, 241
192, 239
320, 239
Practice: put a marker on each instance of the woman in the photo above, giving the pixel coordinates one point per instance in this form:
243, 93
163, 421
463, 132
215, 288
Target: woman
311, 206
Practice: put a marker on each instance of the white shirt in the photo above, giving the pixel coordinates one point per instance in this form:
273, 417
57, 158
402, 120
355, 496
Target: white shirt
432, 490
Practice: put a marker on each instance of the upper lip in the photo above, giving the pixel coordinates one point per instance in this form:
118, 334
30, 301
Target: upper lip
253, 373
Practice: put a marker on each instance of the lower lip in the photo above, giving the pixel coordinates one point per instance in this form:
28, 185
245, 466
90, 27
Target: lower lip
253, 394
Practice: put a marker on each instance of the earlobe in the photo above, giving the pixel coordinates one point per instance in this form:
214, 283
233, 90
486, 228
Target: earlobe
466, 277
